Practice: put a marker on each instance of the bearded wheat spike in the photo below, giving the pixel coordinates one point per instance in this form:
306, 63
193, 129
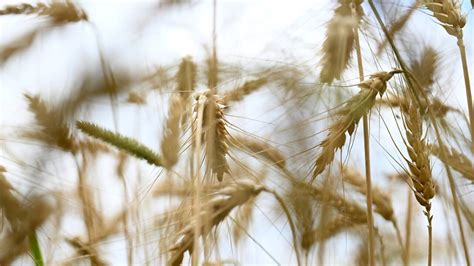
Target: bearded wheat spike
381, 200
262, 149
349, 115
59, 11
448, 13
247, 88
417, 151
186, 77
456, 160
172, 132
419, 165
212, 213
339, 42
215, 136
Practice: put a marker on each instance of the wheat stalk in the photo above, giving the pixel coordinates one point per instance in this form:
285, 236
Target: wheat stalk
348, 117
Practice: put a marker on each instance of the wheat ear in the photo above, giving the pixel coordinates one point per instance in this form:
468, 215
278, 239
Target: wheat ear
247, 88
431, 116
448, 14
172, 132
214, 211
348, 117
127, 144
215, 135
456, 160
260, 148
339, 42
419, 165
59, 11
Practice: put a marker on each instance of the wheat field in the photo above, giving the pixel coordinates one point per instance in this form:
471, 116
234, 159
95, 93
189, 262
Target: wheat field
218, 132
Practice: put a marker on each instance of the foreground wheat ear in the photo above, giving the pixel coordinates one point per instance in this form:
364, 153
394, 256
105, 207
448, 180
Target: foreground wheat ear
126, 144
349, 115
213, 212
419, 165
215, 134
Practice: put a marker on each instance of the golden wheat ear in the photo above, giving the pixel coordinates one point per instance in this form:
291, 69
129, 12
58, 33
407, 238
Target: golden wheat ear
349, 115
339, 42
215, 134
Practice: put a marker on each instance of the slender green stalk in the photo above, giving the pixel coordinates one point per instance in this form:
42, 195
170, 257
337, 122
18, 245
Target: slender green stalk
35, 249
368, 178
436, 129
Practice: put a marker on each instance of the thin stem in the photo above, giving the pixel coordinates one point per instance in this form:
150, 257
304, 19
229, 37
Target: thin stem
35, 249
399, 239
430, 234
406, 257
467, 83
370, 218
436, 129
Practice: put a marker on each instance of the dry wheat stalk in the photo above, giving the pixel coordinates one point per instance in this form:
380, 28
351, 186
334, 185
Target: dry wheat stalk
348, 117
215, 134
456, 160
212, 213
60, 12
339, 42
